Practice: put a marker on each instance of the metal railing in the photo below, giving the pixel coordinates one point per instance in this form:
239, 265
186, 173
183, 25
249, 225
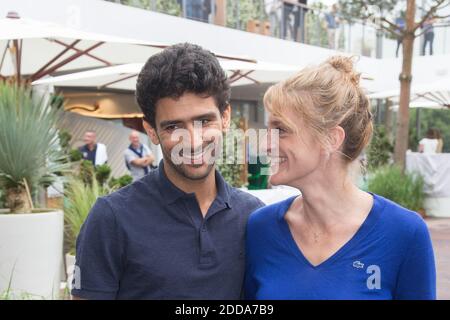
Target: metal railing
294, 22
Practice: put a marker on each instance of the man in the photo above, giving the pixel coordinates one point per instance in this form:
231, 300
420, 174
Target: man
93, 151
332, 24
290, 7
138, 157
177, 233
428, 35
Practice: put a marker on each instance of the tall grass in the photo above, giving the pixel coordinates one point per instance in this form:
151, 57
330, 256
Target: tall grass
79, 199
406, 189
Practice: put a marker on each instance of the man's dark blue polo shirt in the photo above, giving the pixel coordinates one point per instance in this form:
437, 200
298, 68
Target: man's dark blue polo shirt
87, 153
149, 240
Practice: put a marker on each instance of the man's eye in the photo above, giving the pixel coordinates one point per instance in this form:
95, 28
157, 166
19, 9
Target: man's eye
171, 127
205, 121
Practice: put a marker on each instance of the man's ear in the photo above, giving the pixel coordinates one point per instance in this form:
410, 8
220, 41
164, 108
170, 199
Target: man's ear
226, 118
151, 132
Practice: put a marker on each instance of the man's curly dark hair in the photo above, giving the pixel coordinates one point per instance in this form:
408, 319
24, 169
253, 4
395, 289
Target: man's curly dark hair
178, 69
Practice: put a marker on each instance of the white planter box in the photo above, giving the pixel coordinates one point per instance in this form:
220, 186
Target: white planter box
70, 268
30, 254
437, 207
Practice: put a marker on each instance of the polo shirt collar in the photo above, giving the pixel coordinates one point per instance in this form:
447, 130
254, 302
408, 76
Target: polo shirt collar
172, 193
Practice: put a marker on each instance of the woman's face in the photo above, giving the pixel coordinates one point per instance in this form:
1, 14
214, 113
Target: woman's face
296, 155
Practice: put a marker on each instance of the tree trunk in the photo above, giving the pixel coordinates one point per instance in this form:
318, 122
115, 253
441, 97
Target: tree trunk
401, 139
17, 200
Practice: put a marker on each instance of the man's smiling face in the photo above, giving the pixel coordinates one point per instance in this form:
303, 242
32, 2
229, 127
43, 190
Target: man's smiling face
189, 130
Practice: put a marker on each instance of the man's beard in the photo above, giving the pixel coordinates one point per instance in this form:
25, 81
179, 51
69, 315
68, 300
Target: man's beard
181, 169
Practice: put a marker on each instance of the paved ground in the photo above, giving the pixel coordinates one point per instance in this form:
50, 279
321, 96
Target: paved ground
440, 234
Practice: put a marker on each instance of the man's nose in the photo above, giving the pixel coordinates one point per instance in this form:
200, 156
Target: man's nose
196, 136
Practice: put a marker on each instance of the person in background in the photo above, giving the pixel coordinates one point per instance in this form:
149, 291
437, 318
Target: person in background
302, 24
274, 13
428, 35
138, 157
430, 143
93, 151
195, 10
290, 8
332, 24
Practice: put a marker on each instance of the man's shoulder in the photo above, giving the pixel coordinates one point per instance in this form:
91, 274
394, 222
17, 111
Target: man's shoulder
245, 199
143, 188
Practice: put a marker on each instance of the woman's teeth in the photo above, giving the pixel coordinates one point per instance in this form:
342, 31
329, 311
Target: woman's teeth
279, 159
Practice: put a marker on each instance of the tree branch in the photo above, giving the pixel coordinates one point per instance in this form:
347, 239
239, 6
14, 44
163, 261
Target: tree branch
393, 27
429, 14
438, 26
442, 17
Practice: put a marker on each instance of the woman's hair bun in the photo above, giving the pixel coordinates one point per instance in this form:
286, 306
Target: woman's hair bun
345, 65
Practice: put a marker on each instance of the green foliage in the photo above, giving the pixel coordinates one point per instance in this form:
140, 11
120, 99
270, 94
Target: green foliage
229, 166
64, 139
352, 10
102, 173
316, 31
29, 144
79, 199
406, 189
57, 101
87, 171
169, 7
379, 150
240, 12
429, 118
121, 181
75, 155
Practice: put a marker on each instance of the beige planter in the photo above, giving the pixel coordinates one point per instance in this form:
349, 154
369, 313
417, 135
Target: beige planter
31, 254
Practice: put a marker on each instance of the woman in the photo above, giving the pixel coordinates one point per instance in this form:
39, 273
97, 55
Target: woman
430, 143
334, 241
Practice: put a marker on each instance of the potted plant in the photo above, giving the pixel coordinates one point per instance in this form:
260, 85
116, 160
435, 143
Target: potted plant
31, 238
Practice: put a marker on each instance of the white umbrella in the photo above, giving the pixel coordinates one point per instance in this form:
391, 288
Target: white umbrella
423, 95
421, 103
33, 50
124, 76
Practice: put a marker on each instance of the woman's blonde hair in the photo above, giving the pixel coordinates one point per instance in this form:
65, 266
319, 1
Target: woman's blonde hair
324, 97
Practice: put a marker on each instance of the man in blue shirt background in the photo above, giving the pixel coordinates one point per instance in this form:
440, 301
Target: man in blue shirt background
177, 233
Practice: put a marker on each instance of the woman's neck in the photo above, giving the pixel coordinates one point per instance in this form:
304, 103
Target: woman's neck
331, 198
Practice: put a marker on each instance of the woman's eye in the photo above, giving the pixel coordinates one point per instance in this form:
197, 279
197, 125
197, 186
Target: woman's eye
281, 130
205, 121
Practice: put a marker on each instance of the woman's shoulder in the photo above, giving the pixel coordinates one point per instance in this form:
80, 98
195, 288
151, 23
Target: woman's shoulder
397, 217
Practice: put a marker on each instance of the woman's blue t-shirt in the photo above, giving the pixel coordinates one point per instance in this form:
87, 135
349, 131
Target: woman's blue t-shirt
389, 257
